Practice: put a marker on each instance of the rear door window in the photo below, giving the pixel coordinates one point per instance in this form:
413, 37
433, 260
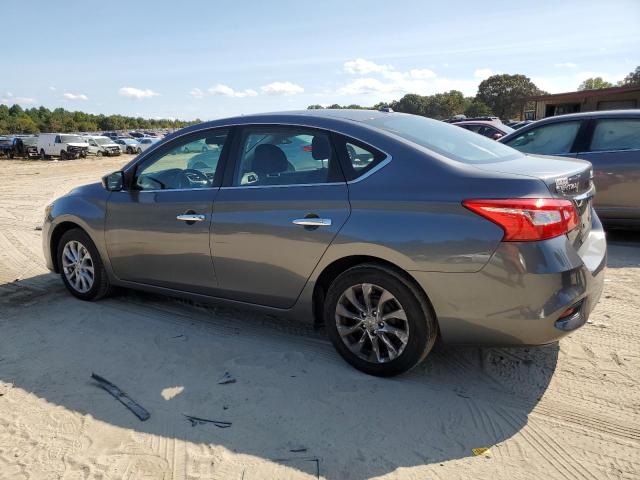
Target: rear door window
616, 134
282, 155
551, 139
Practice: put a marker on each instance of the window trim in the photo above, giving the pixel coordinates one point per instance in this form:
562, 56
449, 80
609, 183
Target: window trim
351, 174
235, 156
131, 172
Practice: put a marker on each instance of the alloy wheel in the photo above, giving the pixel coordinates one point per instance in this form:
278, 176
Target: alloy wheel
372, 323
77, 266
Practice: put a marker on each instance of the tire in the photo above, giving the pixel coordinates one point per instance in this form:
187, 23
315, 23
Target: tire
43, 156
139, 151
63, 155
100, 286
98, 153
419, 330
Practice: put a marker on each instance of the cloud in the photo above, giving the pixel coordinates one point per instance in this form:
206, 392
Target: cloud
196, 93
74, 96
10, 99
482, 73
53, 89
227, 91
565, 65
282, 88
132, 92
367, 85
361, 66
421, 73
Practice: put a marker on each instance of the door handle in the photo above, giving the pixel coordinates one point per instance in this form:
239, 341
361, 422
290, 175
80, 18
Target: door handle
191, 217
312, 222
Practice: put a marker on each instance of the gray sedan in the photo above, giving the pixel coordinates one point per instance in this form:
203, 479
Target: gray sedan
392, 230
610, 140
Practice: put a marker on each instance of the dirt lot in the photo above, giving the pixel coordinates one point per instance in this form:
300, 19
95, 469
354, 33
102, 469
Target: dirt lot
569, 411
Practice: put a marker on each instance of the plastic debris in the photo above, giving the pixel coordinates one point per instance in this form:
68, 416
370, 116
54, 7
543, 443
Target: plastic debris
122, 397
226, 378
201, 421
482, 451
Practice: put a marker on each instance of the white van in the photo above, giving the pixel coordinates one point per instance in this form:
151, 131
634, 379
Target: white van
99, 145
63, 145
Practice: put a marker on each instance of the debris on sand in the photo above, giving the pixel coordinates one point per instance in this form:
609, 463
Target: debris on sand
122, 397
201, 421
226, 378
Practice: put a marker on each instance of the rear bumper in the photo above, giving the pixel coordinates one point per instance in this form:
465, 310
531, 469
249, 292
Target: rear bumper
521, 293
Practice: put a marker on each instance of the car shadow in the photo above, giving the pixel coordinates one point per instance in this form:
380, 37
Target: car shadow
623, 248
294, 403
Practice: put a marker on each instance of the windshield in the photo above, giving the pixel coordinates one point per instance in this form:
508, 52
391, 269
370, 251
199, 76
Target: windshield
446, 139
72, 139
103, 141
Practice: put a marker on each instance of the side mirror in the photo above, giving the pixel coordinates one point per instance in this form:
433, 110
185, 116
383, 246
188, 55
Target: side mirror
113, 182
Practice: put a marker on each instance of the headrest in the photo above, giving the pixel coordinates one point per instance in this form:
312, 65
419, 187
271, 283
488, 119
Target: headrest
320, 148
269, 160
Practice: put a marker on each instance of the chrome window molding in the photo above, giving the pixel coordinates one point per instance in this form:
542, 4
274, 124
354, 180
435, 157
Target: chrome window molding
168, 190
379, 166
365, 175
325, 184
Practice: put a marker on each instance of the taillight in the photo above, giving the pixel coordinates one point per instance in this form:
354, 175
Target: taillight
307, 148
528, 219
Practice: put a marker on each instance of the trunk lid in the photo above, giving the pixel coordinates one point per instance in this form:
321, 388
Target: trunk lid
565, 178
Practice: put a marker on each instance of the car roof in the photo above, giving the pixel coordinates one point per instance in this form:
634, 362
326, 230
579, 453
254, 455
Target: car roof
478, 122
594, 114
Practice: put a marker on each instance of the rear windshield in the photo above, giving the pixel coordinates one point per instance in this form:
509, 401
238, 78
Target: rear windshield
448, 140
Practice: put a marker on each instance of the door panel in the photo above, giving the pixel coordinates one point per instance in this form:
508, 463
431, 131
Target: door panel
148, 244
616, 176
260, 255
148, 238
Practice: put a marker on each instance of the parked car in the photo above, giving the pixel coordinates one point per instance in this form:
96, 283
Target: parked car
8, 146
99, 145
128, 145
63, 145
610, 140
444, 234
146, 142
493, 129
26, 146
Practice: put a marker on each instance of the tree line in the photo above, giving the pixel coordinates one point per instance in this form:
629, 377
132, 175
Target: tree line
504, 96
15, 119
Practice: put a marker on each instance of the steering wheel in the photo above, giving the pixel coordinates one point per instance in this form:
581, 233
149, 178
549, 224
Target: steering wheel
190, 177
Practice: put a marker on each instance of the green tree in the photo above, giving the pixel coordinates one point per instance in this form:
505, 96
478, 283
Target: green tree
594, 83
506, 94
633, 78
477, 108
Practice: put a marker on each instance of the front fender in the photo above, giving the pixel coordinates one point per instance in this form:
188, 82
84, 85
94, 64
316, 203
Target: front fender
85, 208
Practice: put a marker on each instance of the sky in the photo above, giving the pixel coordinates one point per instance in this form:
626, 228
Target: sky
213, 59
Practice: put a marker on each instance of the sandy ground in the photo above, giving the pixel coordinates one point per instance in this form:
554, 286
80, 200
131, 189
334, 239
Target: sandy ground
569, 411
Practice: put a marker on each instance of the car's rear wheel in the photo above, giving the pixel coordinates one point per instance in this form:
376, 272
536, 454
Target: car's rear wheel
81, 268
43, 156
63, 154
98, 153
139, 150
378, 321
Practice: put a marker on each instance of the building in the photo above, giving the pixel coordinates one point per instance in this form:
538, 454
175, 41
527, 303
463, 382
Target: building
615, 98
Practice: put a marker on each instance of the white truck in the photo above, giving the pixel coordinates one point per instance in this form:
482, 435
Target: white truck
99, 145
63, 145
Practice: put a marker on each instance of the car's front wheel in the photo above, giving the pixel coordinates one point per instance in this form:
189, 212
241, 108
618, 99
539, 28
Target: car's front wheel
378, 321
80, 266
